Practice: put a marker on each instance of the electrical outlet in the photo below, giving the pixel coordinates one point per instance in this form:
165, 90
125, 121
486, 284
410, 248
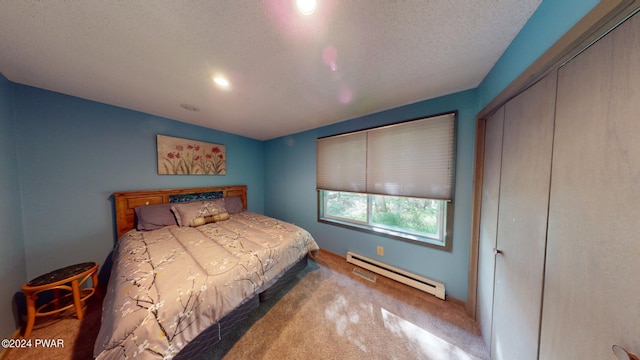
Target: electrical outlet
380, 251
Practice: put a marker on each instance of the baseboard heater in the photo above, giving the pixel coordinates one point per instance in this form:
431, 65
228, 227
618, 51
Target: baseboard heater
405, 277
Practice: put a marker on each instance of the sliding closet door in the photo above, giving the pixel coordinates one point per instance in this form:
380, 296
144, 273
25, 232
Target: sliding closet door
489, 221
592, 286
522, 221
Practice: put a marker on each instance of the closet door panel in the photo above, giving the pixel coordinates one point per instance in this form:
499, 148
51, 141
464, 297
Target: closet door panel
592, 285
522, 221
489, 221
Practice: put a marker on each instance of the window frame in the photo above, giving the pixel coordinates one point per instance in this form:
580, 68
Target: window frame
446, 224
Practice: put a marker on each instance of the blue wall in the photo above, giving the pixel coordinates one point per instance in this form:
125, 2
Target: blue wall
73, 154
290, 194
552, 19
13, 268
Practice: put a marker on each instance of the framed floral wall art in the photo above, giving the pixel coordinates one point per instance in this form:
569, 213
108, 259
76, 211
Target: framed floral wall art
178, 156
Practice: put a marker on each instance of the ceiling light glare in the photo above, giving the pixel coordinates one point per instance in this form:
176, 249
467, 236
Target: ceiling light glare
221, 81
306, 7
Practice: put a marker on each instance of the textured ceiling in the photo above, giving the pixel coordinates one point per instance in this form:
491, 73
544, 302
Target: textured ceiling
288, 72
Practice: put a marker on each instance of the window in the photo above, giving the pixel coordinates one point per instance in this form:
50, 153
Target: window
395, 180
412, 218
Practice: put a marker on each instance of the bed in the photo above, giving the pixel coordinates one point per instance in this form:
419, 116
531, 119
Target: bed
189, 264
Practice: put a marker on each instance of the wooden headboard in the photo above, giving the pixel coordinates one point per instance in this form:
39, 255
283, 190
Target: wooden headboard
127, 201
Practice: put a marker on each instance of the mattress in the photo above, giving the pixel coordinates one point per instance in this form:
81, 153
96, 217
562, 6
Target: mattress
168, 285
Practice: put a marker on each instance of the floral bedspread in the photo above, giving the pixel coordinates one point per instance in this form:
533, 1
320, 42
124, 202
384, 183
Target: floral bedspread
170, 284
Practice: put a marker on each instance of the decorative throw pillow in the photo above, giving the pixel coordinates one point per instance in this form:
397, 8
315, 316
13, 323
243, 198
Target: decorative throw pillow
152, 217
209, 219
233, 204
186, 212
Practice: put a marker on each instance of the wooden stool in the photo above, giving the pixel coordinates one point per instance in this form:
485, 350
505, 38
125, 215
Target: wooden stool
70, 278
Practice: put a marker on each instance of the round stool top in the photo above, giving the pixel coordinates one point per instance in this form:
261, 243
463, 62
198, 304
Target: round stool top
61, 274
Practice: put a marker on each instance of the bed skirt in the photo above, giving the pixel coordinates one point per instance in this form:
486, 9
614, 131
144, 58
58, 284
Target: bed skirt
214, 333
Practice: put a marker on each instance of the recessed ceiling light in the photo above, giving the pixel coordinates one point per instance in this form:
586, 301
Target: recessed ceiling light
189, 107
221, 81
306, 7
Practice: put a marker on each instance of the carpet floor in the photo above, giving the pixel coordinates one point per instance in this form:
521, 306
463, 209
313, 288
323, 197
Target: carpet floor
327, 312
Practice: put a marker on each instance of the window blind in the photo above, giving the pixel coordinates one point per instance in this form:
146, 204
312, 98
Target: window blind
341, 162
414, 158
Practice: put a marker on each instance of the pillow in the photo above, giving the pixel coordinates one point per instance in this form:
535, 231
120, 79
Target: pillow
152, 217
209, 219
186, 212
233, 204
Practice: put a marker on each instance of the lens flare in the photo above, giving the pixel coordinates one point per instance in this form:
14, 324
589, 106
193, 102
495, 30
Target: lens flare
329, 57
346, 95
